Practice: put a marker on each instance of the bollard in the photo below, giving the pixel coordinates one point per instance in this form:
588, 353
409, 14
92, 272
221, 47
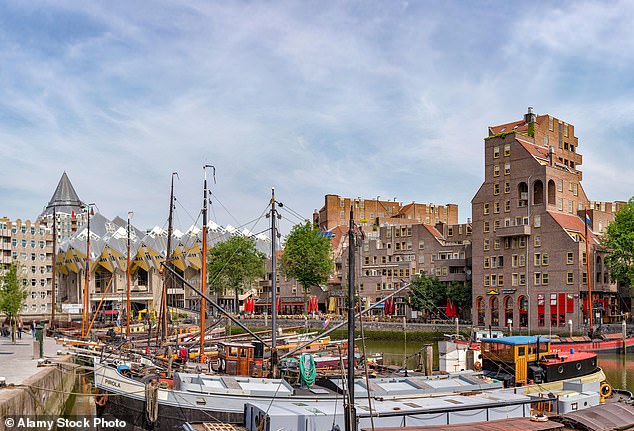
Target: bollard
39, 336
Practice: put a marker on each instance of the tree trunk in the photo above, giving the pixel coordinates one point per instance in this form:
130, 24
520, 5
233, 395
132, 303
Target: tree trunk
13, 329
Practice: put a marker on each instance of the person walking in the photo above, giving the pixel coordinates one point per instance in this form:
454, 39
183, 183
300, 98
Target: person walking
20, 325
33, 328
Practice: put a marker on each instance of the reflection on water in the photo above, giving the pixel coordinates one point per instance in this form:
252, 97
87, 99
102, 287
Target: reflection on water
618, 367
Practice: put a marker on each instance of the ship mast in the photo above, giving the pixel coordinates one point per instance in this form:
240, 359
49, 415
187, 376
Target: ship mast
350, 412
274, 310
203, 269
168, 262
127, 314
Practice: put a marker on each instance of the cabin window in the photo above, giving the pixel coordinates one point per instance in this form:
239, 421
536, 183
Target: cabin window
243, 353
233, 351
521, 350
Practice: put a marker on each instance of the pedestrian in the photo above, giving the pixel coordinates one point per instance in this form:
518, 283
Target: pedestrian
33, 328
20, 325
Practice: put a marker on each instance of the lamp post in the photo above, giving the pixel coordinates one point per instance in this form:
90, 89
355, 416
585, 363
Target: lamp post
509, 322
570, 326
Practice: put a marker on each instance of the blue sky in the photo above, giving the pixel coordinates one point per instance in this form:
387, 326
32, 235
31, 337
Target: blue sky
357, 98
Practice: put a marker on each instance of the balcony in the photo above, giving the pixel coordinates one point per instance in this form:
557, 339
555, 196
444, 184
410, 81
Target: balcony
506, 231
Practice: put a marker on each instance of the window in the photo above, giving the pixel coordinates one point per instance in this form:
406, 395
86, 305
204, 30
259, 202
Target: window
538, 220
421, 244
487, 244
560, 204
522, 279
507, 169
496, 188
538, 259
560, 185
522, 260
496, 224
486, 208
545, 259
566, 130
496, 244
538, 278
550, 123
570, 278
583, 258
571, 207
514, 279
522, 242
496, 170
537, 241
570, 258
487, 280
500, 279
544, 278
507, 149
575, 189
507, 187
342, 215
496, 152
487, 262
507, 206
514, 261
496, 207
486, 227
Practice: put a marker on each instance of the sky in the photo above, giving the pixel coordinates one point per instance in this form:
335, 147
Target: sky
355, 98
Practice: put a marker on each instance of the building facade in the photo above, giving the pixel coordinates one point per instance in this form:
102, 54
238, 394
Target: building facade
29, 245
390, 256
377, 212
529, 240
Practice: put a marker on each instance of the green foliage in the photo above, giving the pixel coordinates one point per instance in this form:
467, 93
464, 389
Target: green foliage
531, 130
427, 294
307, 256
499, 135
619, 241
12, 295
234, 264
460, 294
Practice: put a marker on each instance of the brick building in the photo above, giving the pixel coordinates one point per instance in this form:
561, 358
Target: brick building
529, 259
30, 245
376, 212
391, 256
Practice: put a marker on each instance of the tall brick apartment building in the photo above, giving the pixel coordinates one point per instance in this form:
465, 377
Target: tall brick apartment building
529, 259
377, 212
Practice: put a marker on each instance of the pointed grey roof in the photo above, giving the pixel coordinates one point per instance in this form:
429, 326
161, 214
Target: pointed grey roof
64, 200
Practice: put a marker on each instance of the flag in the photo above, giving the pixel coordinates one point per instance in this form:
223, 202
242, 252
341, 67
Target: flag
588, 219
326, 323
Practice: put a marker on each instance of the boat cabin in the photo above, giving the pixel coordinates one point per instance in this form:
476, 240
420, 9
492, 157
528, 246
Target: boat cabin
522, 360
241, 359
514, 356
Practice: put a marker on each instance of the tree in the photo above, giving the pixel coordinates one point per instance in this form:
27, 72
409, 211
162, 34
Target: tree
307, 256
12, 296
619, 241
460, 295
427, 294
234, 264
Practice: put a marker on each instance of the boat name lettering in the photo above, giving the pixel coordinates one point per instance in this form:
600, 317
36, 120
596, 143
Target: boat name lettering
112, 383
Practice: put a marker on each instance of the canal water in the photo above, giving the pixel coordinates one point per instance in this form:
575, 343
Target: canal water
618, 367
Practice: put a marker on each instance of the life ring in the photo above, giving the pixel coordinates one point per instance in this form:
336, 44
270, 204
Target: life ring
477, 366
606, 390
101, 399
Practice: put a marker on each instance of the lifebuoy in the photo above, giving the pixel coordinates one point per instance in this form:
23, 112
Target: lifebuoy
477, 366
606, 390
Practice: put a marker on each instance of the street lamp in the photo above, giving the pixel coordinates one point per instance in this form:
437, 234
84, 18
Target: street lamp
509, 322
570, 326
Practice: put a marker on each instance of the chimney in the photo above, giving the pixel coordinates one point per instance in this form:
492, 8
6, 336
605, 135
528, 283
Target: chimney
530, 117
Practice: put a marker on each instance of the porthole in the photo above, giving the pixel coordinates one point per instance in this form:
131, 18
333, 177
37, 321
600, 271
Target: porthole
560, 370
578, 365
